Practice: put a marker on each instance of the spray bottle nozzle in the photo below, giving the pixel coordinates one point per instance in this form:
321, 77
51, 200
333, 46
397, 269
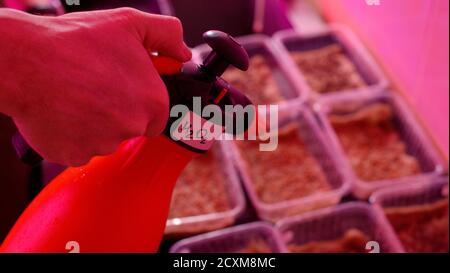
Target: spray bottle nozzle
225, 51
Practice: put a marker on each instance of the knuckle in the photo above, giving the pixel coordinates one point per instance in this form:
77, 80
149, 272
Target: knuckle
177, 26
127, 11
128, 14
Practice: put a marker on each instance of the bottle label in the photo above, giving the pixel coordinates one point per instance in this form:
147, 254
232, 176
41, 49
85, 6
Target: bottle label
196, 132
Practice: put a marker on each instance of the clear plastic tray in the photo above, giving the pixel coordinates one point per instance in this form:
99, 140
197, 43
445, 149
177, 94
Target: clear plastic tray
419, 193
186, 226
258, 44
414, 194
232, 239
417, 142
331, 223
288, 41
315, 142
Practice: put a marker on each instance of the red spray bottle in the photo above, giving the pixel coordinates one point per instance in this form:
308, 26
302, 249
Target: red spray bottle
120, 202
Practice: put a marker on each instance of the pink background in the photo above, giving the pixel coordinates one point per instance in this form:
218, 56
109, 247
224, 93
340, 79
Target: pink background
410, 40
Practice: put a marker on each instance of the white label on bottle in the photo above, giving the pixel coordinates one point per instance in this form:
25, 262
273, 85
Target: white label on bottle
197, 132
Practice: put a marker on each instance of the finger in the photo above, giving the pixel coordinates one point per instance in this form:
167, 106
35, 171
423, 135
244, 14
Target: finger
163, 34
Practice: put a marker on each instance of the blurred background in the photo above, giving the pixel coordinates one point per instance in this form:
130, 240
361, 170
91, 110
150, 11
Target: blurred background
363, 88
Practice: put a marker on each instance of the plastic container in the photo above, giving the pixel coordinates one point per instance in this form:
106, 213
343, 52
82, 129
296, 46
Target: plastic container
315, 142
415, 194
417, 143
186, 226
233, 239
258, 44
291, 41
419, 193
331, 223
236, 17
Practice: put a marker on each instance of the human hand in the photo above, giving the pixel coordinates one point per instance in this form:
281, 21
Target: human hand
84, 82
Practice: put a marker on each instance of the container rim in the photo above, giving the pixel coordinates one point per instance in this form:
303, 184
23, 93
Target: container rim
223, 233
377, 217
378, 196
